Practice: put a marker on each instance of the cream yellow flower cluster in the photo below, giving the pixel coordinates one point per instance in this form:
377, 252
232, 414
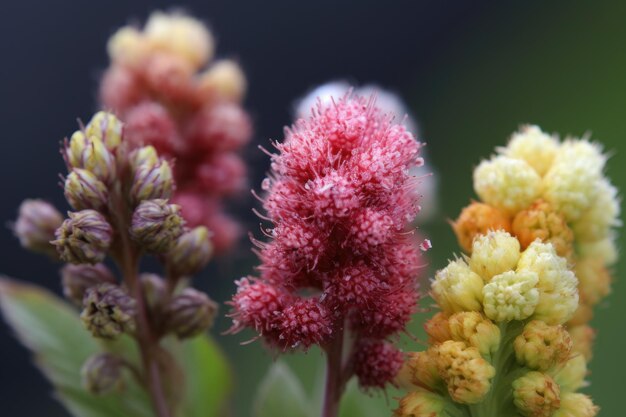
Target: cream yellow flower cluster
538, 187
499, 345
512, 336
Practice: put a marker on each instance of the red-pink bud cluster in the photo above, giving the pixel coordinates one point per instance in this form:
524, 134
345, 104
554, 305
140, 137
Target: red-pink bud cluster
341, 257
156, 84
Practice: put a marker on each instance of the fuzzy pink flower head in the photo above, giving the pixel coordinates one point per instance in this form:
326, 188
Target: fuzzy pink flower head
341, 198
376, 363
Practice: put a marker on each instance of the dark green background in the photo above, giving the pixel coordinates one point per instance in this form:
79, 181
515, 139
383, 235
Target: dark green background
472, 72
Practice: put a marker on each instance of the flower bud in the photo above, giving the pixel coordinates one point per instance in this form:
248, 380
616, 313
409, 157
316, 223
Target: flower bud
421, 403
583, 338
35, 226
478, 219
533, 146
438, 328
458, 288
571, 375
190, 313
91, 155
541, 346
83, 238
152, 181
376, 363
224, 80
76, 279
541, 222
128, 47
494, 253
83, 190
191, 252
476, 330
156, 225
536, 395
146, 155
511, 296
108, 311
576, 405
423, 370
154, 291
102, 373
465, 372
106, 127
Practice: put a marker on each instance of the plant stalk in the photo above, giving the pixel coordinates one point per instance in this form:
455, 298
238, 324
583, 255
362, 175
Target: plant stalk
335, 379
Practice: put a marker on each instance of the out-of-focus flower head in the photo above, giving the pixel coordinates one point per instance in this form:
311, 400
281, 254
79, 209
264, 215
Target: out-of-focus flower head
171, 94
341, 198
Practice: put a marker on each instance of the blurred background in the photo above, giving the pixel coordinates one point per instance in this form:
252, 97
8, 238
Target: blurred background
470, 71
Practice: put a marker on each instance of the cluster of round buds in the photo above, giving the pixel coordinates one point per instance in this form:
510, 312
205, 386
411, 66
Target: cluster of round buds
36, 225
340, 197
538, 187
503, 314
171, 94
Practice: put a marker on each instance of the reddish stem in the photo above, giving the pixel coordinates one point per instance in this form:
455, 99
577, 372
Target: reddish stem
335, 378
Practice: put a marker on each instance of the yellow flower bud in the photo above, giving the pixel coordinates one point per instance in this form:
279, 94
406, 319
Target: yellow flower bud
511, 296
536, 395
457, 288
594, 280
421, 403
596, 223
571, 375
106, 127
152, 182
438, 328
91, 154
533, 146
466, 373
506, 183
570, 184
83, 190
475, 330
558, 293
541, 222
128, 47
180, 35
478, 219
541, 346
576, 405
224, 80
494, 253
582, 338
582, 150
145, 155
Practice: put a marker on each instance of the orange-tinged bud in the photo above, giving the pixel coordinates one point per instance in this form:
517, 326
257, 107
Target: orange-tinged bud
478, 219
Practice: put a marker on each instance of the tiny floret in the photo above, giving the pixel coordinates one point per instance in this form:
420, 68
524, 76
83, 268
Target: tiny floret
541, 346
506, 183
534, 147
494, 253
478, 219
83, 238
108, 311
511, 296
458, 288
35, 226
536, 395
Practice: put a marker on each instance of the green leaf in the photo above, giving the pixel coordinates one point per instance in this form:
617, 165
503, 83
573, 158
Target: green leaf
208, 381
281, 394
52, 330
355, 403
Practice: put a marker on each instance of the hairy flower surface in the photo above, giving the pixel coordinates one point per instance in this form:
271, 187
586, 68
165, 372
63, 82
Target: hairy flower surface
340, 198
164, 85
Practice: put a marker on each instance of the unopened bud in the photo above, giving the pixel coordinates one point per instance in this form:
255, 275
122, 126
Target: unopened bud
108, 311
191, 252
83, 238
224, 80
190, 313
156, 225
476, 330
83, 190
152, 181
106, 127
536, 395
154, 291
146, 155
574, 404
478, 219
541, 346
35, 226
421, 403
90, 154
102, 373
77, 279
